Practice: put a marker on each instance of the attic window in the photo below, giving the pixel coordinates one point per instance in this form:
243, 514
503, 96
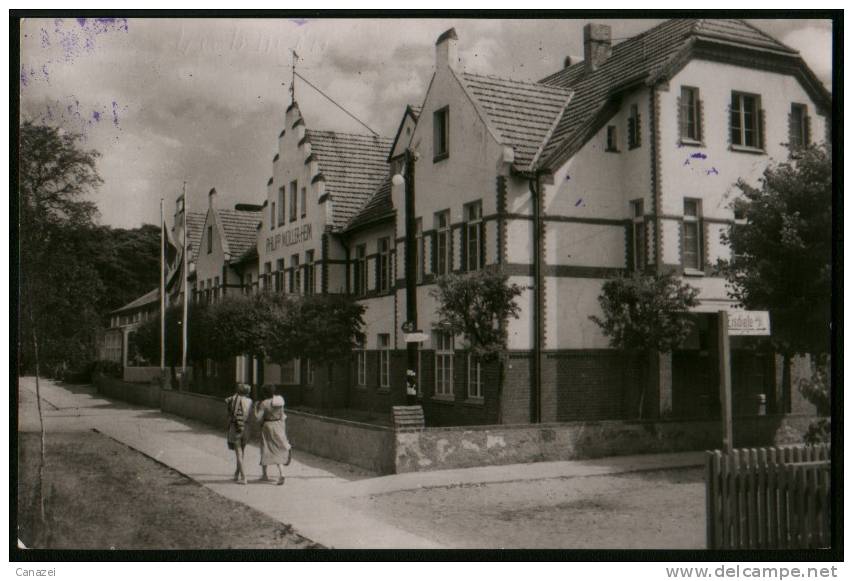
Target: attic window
441, 134
209, 239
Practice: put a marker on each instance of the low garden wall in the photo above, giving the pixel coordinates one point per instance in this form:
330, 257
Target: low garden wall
141, 374
145, 394
364, 445
204, 408
464, 447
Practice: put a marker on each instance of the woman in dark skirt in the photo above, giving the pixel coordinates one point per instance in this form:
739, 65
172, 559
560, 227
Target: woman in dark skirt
275, 449
239, 407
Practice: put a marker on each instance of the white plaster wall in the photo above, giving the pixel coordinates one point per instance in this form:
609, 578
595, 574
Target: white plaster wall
575, 244
520, 332
569, 304
519, 241
207, 265
378, 318
671, 234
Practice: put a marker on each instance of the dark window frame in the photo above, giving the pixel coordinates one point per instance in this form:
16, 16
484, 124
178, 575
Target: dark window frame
441, 133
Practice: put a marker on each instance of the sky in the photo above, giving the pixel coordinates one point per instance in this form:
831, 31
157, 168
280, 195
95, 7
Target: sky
202, 101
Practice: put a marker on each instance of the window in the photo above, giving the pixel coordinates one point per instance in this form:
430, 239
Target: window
309, 372
361, 365
293, 189
440, 133
281, 206
209, 239
290, 372
691, 240
294, 274
443, 364
638, 235
278, 282
309, 272
475, 378
419, 250
303, 202
745, 125
691, 118
272, 216
267, 276
384, 342
634, 127
474, 235
360, 270
798, 127
612, 139
384, 265
442, 243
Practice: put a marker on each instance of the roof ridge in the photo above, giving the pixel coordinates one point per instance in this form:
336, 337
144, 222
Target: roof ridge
346, 134
497, 78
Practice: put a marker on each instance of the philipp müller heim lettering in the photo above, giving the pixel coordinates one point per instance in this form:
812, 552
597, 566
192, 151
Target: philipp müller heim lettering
294, 236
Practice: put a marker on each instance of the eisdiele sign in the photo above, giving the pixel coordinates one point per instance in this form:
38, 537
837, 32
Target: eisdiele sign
749, 323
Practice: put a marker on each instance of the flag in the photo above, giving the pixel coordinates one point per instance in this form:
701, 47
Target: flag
171, 259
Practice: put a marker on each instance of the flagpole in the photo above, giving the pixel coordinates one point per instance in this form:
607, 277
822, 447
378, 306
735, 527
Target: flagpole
186, 288
162, 291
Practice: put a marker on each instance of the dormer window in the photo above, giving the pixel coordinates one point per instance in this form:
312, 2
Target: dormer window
441, 134
691, 118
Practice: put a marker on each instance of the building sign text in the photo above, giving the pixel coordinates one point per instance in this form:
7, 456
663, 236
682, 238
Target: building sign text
289, 238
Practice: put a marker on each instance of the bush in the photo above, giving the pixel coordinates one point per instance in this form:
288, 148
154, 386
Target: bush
817, 391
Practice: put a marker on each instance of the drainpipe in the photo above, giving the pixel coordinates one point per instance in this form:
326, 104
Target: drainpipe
538, 297
410, 268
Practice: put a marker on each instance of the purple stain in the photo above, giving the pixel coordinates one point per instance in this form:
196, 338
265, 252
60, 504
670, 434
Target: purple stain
24, 78
568, 177
115, 113
698, 155
712, 171
96, 115
299, 21
81, 22
579, 202
686, 162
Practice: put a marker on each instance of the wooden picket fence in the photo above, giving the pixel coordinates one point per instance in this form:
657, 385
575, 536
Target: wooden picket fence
768, 498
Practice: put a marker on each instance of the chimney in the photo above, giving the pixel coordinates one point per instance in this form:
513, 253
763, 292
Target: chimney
446, 53
596, 45
211, 198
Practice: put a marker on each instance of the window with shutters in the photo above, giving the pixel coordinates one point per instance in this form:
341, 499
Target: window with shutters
281, 206
309, 272
441, 134
691, 117
384, 264
442, 243
612, 139
474, 235
798, 127
360, 270
384, 343
638, 235
272, 216
634, 127
746, 121
419, 250
443, 364
293, 189
691, 238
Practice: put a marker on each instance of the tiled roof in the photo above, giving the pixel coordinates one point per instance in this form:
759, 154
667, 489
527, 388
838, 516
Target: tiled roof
638, 59
146, 299
523, 112
240, 228
379, 206
352, 165
195, 226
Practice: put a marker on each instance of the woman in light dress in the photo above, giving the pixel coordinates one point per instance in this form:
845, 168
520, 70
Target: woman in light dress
239, 407
275, 449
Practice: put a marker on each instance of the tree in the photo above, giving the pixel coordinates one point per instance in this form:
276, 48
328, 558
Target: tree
645, 313
324, 328
783, 253
54, 172
783, 260
477, 306
147, 336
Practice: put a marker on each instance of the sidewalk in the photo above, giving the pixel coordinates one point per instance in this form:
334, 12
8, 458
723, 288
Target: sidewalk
314, 500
